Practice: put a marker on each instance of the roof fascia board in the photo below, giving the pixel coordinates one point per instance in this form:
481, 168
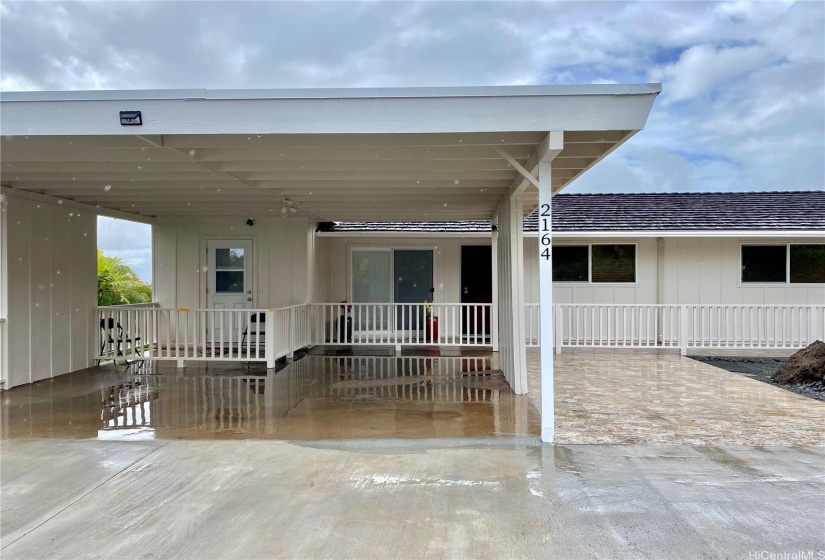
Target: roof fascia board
592, 234
340, 115
66, 203
684, 233
473, 234
333, 93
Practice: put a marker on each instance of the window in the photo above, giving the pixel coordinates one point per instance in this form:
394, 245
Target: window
570, 264
229, 271
807, 264
594, 263
782, 264
613, 263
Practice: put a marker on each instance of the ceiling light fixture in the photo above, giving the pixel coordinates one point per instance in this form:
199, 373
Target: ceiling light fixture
288, 207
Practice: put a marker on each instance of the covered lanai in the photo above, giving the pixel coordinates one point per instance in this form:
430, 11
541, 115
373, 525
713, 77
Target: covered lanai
199, 164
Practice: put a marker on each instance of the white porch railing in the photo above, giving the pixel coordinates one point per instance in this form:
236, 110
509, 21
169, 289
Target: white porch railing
150, 332
155, 333
680, 326
409, 324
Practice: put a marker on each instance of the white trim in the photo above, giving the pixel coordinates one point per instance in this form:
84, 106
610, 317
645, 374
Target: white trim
416, 110
582, 234
686, 233
331, 93
373, 234
99, 210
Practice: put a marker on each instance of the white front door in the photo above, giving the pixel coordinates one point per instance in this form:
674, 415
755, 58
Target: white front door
230, 274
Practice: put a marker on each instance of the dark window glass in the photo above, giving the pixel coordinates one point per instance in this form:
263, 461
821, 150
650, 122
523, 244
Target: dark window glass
570, 264
763, 263
614, 263
229, 282
228, 259
807, 264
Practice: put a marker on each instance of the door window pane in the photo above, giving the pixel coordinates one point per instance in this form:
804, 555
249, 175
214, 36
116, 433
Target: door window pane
229, 259
570, 264
614, 263
808, 264
229, 281
764, 263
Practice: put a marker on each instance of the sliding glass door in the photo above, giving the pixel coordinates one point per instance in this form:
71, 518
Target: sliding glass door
391, 276
412, 283
371, 283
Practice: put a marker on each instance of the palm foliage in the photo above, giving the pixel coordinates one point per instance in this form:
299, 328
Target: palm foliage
117, 283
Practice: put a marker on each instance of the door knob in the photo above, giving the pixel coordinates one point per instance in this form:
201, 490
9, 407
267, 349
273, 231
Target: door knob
249, 299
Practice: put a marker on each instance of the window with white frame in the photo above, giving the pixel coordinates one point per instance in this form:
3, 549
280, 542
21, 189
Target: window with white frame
788, 263
596, 263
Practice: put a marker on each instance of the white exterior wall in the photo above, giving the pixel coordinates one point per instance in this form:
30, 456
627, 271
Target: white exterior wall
322, 273
49, 268
446, 262
283, 254
641, 291
707, 271
696, 270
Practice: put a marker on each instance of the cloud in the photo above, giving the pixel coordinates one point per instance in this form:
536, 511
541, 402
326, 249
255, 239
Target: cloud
128, 240
743, 96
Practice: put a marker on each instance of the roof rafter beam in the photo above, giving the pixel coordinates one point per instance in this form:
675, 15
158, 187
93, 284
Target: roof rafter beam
518, 167
550, 147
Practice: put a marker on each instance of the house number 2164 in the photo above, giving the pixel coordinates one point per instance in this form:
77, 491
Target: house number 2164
545, 229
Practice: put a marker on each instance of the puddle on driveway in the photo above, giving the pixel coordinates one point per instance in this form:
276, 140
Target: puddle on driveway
317, 397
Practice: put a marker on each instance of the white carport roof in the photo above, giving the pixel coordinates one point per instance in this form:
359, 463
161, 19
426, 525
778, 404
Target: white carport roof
332, 155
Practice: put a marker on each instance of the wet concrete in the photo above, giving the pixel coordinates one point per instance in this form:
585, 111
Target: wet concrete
652, 397
317, 397
387, 457
445, 498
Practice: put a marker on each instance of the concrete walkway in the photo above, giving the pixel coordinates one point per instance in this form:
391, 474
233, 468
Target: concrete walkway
446, 498
644, 397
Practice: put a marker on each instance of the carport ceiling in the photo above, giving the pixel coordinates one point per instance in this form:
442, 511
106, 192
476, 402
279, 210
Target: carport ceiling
405, 170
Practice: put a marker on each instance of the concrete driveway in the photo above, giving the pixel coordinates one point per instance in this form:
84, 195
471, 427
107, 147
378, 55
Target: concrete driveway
445, 498
423, 458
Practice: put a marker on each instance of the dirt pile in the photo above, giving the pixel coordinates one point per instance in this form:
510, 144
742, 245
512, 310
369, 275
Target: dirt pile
804, 367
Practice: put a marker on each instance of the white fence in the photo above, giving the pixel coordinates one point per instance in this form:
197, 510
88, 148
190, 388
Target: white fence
149, 332
155, 333
409, 324
680, 326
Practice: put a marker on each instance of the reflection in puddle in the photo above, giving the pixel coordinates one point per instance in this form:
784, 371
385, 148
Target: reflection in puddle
317, 397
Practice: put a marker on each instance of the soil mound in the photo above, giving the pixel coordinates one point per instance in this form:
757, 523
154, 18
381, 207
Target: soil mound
806, 366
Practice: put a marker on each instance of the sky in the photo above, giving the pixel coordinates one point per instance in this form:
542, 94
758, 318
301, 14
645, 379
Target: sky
743, 83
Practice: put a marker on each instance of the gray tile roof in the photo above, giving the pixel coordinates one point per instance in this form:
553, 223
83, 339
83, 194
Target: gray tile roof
790, 210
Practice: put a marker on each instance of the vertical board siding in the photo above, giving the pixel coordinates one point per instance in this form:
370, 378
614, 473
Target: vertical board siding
281, 259
52, 289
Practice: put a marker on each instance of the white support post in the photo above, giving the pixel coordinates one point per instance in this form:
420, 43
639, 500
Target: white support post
548, 412
519, 338
269, 339
494, 308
